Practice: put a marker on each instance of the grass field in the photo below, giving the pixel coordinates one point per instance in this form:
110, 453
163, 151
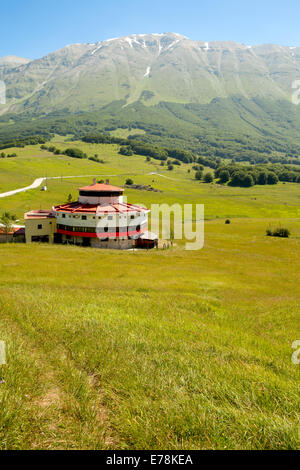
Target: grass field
178, 186
151, 350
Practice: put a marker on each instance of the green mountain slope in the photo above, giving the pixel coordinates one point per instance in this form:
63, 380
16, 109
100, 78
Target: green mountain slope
216, 98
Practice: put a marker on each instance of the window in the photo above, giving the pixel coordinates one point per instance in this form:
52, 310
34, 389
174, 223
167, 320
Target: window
39, 226
110, 217
132, 216
83, 217
63, 216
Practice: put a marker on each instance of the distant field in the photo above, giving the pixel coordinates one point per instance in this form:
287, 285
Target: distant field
165, 349
124, 133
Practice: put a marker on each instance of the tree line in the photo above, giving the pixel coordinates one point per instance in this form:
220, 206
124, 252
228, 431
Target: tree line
72, 152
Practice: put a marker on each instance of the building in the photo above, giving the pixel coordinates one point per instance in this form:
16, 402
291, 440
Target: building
101, 219
40, 226
16, 234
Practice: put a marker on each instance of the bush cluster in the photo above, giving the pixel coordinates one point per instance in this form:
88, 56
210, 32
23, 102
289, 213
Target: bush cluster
278, 232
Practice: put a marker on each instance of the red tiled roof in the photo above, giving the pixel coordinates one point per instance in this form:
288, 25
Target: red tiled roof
78, 208
12, 230
101, 187
19, 231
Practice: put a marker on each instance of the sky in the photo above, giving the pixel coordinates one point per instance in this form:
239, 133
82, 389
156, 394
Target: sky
33, 28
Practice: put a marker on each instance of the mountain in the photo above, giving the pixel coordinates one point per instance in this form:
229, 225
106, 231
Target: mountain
213, 97
11, 62
150, 68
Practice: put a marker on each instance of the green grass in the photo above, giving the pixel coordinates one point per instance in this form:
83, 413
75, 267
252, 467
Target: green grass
152, 350
125, 133
103, 354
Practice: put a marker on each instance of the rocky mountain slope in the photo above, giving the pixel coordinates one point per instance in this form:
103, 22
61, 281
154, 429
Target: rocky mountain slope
149, 68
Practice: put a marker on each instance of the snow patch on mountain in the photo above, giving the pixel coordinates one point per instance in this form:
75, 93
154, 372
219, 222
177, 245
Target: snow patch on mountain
132, 40
173, 44
147, 72
159, 47
129, 40
97, 48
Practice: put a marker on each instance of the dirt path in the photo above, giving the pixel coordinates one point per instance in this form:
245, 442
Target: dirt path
38, 181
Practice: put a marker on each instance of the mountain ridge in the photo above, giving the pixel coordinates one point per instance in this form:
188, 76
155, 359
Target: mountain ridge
151, 68
217, 97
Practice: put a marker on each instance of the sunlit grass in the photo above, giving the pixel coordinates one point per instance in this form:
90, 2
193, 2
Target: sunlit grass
167, 349
157, 350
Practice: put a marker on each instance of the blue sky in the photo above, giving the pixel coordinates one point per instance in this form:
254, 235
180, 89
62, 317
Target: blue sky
32, 28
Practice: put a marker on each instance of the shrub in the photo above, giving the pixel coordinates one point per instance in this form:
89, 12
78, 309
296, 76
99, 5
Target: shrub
126, 151
129, 181
74, 153
227, 222
278, 232
208, 178
272, 178
224, 176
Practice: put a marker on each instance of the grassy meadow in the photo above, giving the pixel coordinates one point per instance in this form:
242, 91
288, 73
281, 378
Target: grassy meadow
167, 349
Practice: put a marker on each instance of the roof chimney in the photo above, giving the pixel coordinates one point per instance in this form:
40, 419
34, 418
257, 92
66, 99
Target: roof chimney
94, 181
107, 182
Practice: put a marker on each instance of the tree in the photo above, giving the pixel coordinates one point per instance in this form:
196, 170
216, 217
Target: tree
224, 176
272, 178
7, 220
262, 177
208, 178
129, 182
198, 175
126, 151
242, 179
70, 198
248, 181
